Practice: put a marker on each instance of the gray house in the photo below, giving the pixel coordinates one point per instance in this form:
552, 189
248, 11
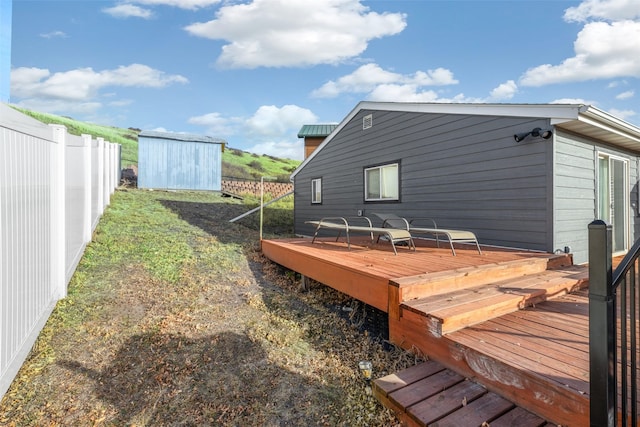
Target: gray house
520, 176
176, 161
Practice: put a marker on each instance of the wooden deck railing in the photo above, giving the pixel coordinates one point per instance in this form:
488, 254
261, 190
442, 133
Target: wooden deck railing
613, 331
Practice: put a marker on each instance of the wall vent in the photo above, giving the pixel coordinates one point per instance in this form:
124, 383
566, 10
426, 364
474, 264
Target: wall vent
367, 121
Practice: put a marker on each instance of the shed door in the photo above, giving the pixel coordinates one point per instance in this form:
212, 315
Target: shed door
612, 198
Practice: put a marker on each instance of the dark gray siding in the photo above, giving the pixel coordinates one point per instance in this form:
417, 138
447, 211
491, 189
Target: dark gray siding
464, 171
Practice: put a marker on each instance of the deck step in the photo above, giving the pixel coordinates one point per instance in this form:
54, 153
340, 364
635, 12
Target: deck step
451, 311
429, 284
429, 393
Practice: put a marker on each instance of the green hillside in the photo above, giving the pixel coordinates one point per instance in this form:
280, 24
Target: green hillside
235, 163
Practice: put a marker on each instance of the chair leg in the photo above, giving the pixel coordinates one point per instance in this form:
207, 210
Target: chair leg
452, 249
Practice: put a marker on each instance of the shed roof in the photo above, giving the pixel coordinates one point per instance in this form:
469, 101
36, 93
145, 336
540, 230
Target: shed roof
316, 130
187, 137
582, 119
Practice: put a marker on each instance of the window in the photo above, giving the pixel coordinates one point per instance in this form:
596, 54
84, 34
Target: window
382, 183
613, 192
316, 190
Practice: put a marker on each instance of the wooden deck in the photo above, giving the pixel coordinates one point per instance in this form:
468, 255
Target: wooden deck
430, 394
486, 318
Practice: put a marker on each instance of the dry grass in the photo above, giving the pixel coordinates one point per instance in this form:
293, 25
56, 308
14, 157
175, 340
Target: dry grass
174, 318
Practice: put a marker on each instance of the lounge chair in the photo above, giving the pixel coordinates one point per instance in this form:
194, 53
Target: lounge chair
412, 225
342, 224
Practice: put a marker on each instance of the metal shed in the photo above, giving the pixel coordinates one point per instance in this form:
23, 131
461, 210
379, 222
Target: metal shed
177, 161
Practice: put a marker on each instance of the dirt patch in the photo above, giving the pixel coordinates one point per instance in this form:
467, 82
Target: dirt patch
231, 342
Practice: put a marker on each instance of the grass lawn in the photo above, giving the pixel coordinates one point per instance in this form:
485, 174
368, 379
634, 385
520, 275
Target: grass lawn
173, 317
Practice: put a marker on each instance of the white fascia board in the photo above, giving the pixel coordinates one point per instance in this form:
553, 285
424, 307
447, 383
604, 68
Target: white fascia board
553, 111
606, 121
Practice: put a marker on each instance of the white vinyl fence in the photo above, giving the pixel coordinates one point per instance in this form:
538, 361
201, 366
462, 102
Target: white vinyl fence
53, 189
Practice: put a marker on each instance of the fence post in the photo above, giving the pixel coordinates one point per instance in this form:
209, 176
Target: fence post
106, 174
602, 327
86, 218
100, 175
118, 164
58, 211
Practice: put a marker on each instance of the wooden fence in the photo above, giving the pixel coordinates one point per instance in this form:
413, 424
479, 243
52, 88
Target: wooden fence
53, 189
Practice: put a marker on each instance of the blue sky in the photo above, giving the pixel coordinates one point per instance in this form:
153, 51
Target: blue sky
254, 71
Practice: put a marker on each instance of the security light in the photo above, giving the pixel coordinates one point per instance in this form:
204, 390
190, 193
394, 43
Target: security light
542, 133
536, 132
520, 136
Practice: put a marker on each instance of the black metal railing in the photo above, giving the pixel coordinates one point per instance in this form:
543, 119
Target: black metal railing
613, 331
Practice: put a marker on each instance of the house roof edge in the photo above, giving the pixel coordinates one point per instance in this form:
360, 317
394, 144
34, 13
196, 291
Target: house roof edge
557, 113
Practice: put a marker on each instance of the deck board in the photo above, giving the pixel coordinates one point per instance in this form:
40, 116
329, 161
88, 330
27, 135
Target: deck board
484, 409
499, 355
429, 394
447, 402
365, 270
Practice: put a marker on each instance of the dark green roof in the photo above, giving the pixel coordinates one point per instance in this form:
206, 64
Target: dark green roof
316, 130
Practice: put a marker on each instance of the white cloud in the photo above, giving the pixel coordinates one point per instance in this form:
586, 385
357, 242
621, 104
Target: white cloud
66, 107
182, 4
504, 91
128, 11
281, 149
293, 33
572, 101
218, 125
54, 34
371, 78
614, 84
602, 50
121, 103
76, 89
610, 10
273, 122
270, 130
626, 95
622, 114
401, 93
377, 84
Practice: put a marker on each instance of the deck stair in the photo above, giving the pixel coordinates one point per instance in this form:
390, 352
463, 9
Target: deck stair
429, 394
454, 299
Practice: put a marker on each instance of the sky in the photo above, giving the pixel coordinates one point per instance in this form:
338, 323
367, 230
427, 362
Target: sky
254, 71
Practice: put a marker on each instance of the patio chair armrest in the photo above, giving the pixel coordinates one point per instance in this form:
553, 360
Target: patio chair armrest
332, 219
351, 219
433, 221
388, 223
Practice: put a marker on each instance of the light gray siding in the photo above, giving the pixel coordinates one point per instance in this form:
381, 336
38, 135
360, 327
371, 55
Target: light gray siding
574, 194
465, 171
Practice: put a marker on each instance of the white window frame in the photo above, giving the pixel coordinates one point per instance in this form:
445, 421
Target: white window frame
316, 191
383, 171
626, 178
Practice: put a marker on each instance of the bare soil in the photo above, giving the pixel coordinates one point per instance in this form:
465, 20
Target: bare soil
233, 343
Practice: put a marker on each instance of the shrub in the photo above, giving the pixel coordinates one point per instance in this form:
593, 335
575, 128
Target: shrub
256, 165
